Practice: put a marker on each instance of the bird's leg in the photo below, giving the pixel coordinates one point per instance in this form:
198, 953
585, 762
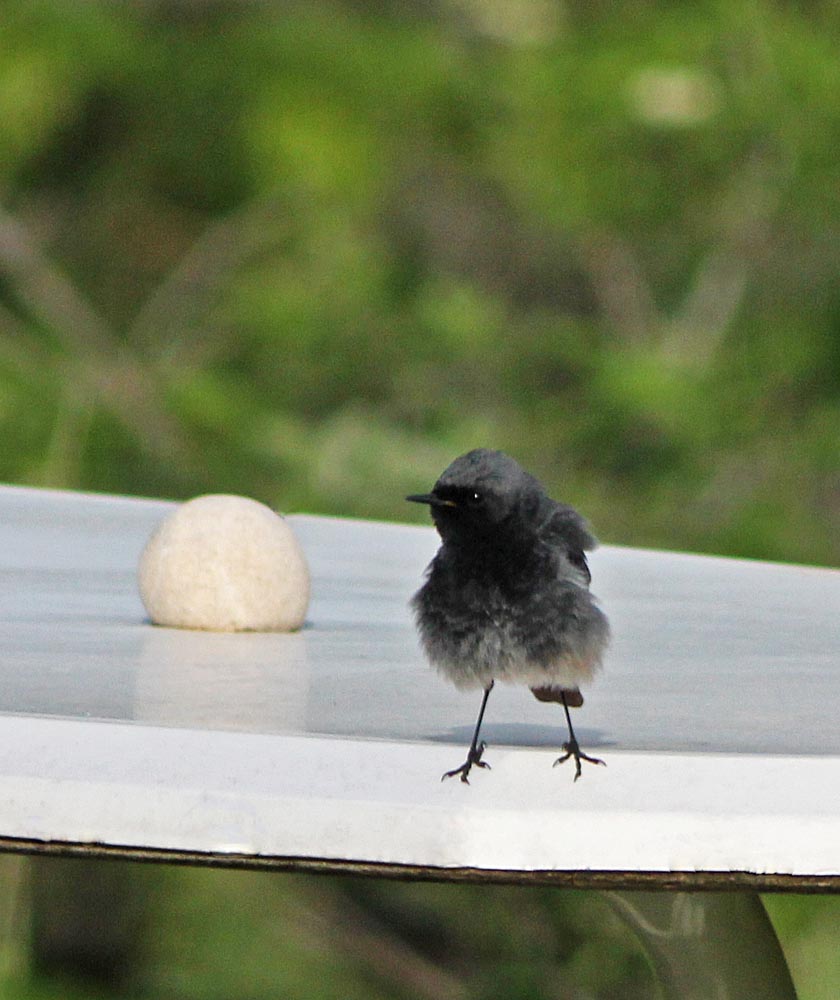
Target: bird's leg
476, 749
572, 748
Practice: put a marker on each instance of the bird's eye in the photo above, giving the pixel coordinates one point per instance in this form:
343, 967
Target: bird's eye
474, 498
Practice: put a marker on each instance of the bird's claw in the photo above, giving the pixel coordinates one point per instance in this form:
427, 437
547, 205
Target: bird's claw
572, 749
473, 758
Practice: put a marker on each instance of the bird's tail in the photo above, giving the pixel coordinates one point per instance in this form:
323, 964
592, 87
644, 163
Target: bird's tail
574, 699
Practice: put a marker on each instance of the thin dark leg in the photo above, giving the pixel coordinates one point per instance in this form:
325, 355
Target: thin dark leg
476, 748
572, 748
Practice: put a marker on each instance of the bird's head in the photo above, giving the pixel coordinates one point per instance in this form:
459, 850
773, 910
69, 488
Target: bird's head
483, 495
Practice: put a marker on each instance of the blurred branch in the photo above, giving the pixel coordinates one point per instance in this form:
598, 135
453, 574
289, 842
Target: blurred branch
62, 461
51, 297
710, 305
19, 350
113, 374
621, 289
712, 301
351, 929
720, 283
182, 300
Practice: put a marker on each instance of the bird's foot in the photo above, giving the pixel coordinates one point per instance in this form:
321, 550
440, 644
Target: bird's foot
572, 749
473, 758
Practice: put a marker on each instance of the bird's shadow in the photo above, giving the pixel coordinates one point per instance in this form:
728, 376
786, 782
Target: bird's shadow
523, 734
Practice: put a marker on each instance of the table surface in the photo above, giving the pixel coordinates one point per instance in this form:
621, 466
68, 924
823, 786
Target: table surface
716, 714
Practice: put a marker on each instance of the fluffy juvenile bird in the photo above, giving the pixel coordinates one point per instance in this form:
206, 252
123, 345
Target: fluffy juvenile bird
507, 594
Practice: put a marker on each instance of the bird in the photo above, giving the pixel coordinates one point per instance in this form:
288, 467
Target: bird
506, 597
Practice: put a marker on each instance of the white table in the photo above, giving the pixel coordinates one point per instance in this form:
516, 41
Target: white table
716, 715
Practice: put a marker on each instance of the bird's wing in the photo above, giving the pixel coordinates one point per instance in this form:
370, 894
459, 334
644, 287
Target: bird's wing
566, 530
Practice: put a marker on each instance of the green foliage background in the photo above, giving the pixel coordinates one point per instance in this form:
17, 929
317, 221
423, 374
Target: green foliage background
310, 251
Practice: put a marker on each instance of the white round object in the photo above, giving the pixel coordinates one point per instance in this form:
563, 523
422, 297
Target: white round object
226, 564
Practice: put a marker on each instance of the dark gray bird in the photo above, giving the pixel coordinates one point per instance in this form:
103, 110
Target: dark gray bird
507, 594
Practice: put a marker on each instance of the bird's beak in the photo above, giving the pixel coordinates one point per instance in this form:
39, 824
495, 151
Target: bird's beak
431, 500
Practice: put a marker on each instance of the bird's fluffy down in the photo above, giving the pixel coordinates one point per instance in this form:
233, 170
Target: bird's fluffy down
507, 595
